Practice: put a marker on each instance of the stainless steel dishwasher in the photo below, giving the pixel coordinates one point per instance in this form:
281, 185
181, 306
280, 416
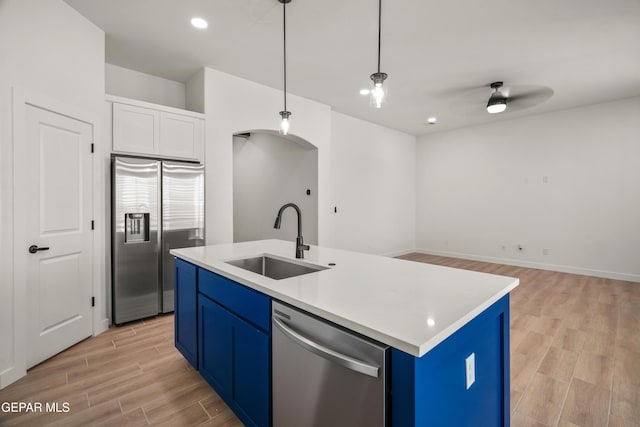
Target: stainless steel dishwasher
324, 375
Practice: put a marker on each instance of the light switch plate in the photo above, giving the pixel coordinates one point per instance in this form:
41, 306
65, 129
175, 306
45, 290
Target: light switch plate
470, 363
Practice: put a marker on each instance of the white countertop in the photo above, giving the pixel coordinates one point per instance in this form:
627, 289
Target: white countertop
408, 305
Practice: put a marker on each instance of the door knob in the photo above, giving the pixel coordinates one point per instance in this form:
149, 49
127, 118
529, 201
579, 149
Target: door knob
34, 248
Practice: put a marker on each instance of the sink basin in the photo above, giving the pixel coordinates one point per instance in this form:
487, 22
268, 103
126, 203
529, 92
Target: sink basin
275, 268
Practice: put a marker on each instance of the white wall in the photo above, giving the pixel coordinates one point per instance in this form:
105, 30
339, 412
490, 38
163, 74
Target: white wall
374, 187
47, 48
568, 182
195, 92
144, 87
235, 105
269, 171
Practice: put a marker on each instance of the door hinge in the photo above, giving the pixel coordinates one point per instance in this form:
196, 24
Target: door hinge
93, 224
93, 301
92, 147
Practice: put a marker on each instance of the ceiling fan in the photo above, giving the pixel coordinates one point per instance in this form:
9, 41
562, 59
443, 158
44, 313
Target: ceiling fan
500, 98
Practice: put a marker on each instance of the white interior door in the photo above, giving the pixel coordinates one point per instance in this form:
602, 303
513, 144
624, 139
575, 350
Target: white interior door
59, 236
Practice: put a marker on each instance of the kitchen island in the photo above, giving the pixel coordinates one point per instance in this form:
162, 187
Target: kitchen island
448, 329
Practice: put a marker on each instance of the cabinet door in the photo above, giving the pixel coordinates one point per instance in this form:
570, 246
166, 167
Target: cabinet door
216, 346
235, 358
186, 318
136, 129
251, 372
180, 136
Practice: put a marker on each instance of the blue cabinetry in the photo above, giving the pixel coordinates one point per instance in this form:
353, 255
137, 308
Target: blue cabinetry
186, 318
223, 328
433, 391
234, 346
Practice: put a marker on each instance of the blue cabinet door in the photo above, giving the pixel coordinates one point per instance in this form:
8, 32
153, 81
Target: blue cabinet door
185, 306
216, 347
235, 358
251, 379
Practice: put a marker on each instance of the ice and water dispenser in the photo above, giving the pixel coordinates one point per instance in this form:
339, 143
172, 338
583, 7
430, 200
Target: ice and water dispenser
136, 227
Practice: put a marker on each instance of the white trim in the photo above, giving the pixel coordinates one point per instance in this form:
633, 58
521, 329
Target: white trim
99, 237
100, 327
11, 375
19, 137
394, 254
541, 266
159, 107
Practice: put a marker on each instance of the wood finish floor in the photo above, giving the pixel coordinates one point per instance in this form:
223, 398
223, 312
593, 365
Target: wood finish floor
575, 347
575, 361
127, 376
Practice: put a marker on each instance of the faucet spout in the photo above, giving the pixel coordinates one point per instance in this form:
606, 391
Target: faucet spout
300, 246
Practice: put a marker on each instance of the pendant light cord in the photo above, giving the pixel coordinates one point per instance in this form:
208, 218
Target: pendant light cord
284, 32
379, 30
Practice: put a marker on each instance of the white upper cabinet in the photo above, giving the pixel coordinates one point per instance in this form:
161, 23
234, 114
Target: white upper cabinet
136, 129
153, 130
180, 136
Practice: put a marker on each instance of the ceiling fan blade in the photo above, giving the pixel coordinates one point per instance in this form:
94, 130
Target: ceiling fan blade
469, 91
526, 99
466, 106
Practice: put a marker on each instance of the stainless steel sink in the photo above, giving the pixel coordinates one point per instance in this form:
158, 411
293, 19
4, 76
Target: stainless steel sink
275, 268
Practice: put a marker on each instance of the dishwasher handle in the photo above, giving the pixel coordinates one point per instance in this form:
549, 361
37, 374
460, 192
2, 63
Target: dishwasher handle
322, 351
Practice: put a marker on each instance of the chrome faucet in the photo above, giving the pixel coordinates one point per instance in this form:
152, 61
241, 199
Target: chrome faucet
300, 246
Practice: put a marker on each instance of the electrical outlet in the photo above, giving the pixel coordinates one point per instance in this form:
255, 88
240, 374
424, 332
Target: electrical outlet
470, 365
545, 251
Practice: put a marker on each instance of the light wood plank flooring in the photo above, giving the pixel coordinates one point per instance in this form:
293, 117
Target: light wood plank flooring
575, 347
127, 376
575, 361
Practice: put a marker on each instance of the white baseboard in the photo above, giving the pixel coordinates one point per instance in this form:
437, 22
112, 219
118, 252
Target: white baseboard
399, 253
541, 266
11, 375
101, 326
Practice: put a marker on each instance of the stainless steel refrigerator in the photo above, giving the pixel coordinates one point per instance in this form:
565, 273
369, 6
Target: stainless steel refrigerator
155, 206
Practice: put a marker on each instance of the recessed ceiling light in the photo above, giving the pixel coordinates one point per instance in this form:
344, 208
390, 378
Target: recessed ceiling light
432, 120
199, 23
364, 91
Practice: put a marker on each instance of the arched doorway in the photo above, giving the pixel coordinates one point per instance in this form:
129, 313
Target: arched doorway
270, 170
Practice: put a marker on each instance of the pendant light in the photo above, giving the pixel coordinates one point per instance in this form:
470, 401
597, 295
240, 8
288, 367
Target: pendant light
497, 101
284, 114
378, 91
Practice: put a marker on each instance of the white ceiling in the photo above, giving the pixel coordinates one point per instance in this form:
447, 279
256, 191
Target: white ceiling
437, 53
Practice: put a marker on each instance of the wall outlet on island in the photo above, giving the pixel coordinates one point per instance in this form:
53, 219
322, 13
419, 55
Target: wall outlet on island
470, 367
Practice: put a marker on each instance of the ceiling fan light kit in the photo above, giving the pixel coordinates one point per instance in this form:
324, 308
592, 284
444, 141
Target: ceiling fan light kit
497, 101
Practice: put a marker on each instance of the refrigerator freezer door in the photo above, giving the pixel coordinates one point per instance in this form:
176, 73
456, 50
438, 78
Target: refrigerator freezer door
182, 217
135, 238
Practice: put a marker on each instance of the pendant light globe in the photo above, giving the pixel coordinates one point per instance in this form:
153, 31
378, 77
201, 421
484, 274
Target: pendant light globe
378, 91
284, 122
